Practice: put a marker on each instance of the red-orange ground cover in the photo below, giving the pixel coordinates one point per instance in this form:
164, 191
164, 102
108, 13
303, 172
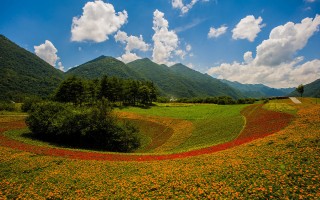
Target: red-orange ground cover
259, 123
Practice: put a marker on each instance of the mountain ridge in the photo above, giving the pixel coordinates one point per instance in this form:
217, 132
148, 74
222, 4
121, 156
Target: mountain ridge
23, 73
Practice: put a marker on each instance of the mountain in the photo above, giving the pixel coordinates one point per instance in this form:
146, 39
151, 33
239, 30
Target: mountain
206, 83
310, 90
104, 65
181, 81
258, 90
22, 73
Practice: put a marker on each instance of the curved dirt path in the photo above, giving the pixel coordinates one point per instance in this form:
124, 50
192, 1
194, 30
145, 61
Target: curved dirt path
259, 123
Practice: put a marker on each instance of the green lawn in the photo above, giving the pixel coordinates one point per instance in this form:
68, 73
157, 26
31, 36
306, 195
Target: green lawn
213, 124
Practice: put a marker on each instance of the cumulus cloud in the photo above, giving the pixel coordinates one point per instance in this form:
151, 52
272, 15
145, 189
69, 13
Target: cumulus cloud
97, 21
214, 33
128, 57
47, 52
247, 57
284, 41
274, 63
132, 43
248, 28
184, 8
165, 40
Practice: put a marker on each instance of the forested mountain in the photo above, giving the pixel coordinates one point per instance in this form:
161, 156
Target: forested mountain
258, 90
206, 83
24, 74
177, 81
104, 65
180, 81
310, 90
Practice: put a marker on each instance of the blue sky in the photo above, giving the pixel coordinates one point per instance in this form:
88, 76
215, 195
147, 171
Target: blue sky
175, 31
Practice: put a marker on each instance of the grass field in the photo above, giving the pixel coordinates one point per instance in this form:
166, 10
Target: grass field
212, 124
284, 165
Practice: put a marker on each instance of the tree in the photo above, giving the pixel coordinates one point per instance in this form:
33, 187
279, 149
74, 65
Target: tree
144, 94
71, 90
300, 89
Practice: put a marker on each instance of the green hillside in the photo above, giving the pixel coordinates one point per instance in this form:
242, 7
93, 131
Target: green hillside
180, 81
310, 90
205, 83
22, 73
168, 82
104, 65
258, 90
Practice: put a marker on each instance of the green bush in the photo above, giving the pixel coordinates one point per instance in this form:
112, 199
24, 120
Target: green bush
89, 127
28, 102
7, 106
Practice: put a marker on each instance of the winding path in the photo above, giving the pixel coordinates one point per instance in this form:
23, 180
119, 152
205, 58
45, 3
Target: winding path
259, 123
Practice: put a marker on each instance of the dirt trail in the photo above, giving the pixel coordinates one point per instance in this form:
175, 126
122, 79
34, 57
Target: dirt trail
260, 123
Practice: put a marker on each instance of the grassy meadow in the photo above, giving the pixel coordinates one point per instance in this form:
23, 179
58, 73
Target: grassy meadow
284, 165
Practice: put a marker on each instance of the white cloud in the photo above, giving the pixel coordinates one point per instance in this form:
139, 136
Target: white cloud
275, 64
60, 66
177, 3
165, 41
180, 53
47, 52
284, 41
248, 28
132, 43
190, 65
309, 1
97, 21
214, 33
247, 57
184, 8
128, 57
188, 47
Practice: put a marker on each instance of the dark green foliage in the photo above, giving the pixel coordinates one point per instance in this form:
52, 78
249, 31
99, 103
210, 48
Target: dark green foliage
130, 92
222, 100
7, 106
89, 127
71, 90
23, 74
258, 90
28, 102
300, 89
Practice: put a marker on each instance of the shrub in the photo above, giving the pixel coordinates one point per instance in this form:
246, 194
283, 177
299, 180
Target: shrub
7, 106
89, 127
28, 102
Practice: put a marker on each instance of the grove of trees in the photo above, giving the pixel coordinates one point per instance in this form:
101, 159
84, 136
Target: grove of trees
128, 92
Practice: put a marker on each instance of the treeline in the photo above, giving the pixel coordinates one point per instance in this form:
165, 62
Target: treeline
127, 92
222, 100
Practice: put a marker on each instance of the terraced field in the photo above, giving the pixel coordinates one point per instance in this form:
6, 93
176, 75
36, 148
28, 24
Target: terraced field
282, 165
